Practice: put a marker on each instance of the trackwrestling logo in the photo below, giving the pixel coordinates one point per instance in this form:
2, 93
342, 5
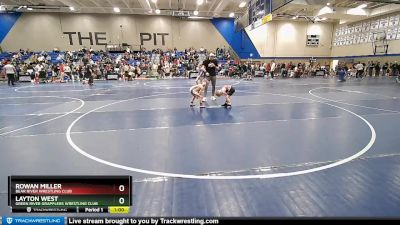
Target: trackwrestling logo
33, 220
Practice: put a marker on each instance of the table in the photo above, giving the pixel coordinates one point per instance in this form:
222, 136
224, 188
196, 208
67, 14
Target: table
112, 76
258, 73
193, 74
24, 78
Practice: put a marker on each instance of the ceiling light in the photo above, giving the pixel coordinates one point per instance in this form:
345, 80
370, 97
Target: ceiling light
362, 6
158, 11
200, 2
2, 8
154, 1
323, 19
196, 13
231, 14
30, 9
117, 10
199, 17
294, 17
317, 19
325, 10
328, 4
242, 4
71, 8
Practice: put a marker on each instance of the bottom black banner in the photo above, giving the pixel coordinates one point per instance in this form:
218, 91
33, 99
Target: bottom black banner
139, 221
206, 221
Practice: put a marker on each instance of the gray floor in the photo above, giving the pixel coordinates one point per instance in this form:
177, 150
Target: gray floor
275, 127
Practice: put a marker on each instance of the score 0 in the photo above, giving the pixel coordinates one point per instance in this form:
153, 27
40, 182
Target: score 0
121, 188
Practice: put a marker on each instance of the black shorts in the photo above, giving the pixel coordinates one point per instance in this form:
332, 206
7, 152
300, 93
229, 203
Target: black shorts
231, 91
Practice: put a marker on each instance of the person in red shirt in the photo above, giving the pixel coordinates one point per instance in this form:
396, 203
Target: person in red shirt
268, 69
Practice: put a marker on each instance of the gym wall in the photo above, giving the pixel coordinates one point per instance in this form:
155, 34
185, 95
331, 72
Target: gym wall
288, 39
364, 49
45, 31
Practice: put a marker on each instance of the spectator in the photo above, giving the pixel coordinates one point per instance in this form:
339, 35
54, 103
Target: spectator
283, 70
395, 69
385, 69
243, 70
342, 74
10, 71
377, 69
273, 67
360, 70
67, 71
371, 67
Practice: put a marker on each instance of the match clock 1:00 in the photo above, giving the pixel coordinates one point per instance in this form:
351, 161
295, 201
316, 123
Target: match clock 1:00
118, 209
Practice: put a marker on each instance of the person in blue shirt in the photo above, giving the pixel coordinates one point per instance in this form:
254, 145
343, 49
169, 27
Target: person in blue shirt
342, 74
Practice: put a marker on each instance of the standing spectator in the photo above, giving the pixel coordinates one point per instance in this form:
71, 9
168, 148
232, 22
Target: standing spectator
67, 71
268, 69
395, 69
160, 70
398, 79
19, 70
371, 66
377, 69
211, 65
40, 72
342, 73
360, 70
262, 68
30, 71
397, 72
10, 71
252, 71
89, 74
283, 70
243, 69
225, 69
273, 67
385, 68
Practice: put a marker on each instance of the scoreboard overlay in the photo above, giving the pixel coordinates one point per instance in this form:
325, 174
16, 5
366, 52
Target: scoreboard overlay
75, 194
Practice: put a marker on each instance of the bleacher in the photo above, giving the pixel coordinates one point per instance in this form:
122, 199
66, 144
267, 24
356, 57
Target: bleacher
59, 57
